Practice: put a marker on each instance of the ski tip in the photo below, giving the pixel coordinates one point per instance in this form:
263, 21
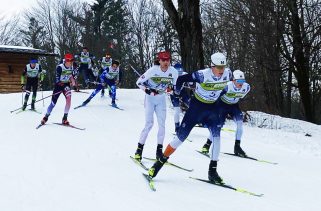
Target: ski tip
39, 126
78, 106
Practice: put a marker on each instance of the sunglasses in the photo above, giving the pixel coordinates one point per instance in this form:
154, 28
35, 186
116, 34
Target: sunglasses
240, 81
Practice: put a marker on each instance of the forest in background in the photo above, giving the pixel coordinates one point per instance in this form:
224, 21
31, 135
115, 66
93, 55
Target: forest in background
275, 42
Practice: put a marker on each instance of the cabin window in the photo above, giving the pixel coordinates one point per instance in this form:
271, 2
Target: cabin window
10, 69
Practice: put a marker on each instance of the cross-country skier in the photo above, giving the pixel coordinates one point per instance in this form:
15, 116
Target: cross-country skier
85, 60
209, 84
110, 77
229, 103
64, 76
34, 74
154, 82
105, 62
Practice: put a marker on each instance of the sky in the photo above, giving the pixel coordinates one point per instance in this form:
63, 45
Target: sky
14, 7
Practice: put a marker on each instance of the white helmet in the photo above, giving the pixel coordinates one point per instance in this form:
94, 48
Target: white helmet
238, 74
218, 59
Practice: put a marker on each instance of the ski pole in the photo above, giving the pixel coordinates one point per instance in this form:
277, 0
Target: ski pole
135, 70
43, 100
38, 100
21, 98
94, 82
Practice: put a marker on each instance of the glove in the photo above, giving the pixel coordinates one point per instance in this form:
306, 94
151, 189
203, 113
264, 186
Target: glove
176, 92
60, 84
169, 90
175, 95
22, 87
76, 88
152, 92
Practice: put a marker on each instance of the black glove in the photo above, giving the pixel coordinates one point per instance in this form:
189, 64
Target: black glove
151, 91
175, 94
22, 87
76, 88
60, 84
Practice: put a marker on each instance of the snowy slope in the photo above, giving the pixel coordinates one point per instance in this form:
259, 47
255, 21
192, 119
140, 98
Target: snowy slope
57, 168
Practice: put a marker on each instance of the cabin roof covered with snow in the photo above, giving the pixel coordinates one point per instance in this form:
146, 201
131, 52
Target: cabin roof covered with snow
24, 50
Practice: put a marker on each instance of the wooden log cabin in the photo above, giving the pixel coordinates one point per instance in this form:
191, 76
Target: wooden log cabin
13, 60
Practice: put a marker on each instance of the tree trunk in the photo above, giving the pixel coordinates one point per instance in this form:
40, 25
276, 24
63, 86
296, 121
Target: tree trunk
289, 92
302, 62
186, 21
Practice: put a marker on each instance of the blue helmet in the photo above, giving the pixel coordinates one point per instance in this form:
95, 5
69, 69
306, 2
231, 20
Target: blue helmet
178, 66
33, 61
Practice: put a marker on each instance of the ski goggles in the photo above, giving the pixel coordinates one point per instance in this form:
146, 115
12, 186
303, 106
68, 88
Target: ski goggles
240, 81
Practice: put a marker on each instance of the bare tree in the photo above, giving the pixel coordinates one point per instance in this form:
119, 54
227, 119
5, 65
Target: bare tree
301, 48
186, 20
9, 31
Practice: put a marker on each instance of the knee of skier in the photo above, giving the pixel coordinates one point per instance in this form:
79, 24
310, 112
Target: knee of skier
149, 125
176, 142
113, 89
182, 134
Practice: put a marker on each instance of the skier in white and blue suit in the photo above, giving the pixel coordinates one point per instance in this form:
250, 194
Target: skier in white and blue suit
229, 104
176, 99
209, 84
155, 82
110, 77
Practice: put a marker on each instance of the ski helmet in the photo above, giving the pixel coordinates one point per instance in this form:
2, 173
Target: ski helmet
69, 57
218, 59
33, 61
164, 55
238, 75
178, 66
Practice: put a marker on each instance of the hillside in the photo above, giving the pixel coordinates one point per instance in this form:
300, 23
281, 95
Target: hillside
57, 168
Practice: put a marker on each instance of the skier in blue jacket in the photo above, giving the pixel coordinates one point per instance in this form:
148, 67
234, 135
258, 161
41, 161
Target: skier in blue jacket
110, 77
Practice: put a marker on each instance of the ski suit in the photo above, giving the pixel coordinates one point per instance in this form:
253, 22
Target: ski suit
33, 75
203, 107
158, 80
64, 76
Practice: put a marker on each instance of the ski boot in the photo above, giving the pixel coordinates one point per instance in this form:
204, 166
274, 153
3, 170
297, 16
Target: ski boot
212, 173
139, 151
102, 93
159, 151
238, 150
64, 120
44, 119
206, 147
153, 171
33, 105
113, 104
24, 106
